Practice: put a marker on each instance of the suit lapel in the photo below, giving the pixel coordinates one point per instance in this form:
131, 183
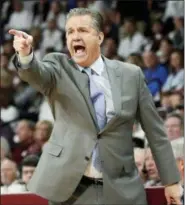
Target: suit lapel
114, 76
81, 81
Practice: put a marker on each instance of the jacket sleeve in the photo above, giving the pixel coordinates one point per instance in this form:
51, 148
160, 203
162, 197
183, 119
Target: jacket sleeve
42, 75
158, 141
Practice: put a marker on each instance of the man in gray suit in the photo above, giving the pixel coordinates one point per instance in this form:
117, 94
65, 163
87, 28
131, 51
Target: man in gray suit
95, 101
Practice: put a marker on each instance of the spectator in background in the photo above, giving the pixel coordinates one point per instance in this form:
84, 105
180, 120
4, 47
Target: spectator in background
178, 150
7, 49
136, 59
173, 9
8, 111
52, 32
6, 132
4, 61
57, 12
151, 169
9, 178
157, 34
20, 18
165, 50
174, 126
134, 41
171, 101
177, 35
139, 156
28, 166
42, 132
36, 32
110, 27
155, 73
24, 141
40, 12
175, 80
5, 149
109, 48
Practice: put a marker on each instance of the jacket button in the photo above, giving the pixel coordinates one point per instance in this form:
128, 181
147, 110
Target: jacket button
86, 158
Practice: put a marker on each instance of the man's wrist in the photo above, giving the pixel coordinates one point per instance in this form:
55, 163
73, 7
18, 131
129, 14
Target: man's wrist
24, 60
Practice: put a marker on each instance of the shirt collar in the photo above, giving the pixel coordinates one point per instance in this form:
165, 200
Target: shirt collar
97, 66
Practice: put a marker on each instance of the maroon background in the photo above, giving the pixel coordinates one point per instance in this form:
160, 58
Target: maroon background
155, 196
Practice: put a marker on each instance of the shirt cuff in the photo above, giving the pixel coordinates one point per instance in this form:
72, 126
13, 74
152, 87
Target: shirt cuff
25, 60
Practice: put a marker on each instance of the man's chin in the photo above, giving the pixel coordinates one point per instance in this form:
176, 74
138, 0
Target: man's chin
80, 61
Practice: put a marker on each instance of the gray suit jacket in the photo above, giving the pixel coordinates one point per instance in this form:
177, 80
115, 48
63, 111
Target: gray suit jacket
75, 131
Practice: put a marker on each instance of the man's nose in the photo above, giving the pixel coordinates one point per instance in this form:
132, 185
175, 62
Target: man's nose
76, 36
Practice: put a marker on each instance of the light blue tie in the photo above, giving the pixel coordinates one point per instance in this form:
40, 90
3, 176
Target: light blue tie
98, 101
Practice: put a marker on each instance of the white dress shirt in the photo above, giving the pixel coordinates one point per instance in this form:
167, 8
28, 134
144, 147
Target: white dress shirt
13, 188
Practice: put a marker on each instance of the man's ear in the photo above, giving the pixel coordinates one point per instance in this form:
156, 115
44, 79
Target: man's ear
101, 38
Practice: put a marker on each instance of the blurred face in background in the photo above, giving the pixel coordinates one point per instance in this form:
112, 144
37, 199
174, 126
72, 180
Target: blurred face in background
176, 60
165, 47
17, 5
8, 48
52, 24
150, 59
109, 48
8, 172
42, 132
157, 27
139, 155
178, 22
4, 61
23, 131
129, 27
136, 59
173, 128
150, 165
55, 7
27, 173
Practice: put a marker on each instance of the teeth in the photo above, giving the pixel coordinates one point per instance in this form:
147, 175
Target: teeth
79, 51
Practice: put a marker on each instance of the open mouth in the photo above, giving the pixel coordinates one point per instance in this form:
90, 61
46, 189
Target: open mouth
79, 50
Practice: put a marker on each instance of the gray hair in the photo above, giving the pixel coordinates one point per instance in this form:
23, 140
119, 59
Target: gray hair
178, 148
97, 19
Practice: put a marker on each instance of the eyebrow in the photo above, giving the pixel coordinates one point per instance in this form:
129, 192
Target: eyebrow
81, 27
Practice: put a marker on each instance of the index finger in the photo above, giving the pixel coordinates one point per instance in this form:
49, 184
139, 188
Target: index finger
15, 32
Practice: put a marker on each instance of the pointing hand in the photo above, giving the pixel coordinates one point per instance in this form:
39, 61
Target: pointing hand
22, 42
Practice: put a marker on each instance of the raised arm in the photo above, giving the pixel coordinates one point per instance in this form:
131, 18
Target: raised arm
159, 143
42, 75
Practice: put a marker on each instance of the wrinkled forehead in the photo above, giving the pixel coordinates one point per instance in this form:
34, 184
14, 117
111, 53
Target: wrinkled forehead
6, 164
172, 120
78, 21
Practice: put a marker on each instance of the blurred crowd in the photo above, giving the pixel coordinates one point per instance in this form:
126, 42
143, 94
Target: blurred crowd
147, 33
